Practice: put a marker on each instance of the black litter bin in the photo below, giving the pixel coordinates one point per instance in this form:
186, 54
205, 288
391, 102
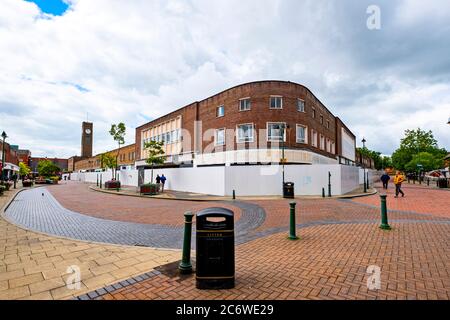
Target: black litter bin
215, 249
288, 190
442, 183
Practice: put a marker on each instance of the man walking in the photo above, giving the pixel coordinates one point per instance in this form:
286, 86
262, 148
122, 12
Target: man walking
158, 182
398, 179
163, 181
385, 179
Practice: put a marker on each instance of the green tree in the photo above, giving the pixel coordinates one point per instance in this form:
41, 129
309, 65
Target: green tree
118, 132
424, 161
24, 170
46, 168
375, 155
155, 154
108, 161
415, 142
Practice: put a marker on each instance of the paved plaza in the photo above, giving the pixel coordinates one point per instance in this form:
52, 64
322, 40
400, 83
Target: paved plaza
340, 239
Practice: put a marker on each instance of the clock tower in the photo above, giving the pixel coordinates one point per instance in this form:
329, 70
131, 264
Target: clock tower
86, 139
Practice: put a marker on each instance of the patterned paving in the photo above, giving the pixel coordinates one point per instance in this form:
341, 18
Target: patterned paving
37, 209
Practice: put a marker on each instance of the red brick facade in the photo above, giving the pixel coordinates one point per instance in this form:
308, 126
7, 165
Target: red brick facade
315, 116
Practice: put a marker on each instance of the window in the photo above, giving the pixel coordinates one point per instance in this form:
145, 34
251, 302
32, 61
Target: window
328, 124
275, 131
328, 145
321, 119
220, 112
245, 132
301, 134
314, 138
322, 142
313, 112
333, 150
220, 137
244, 104
300, 105
276, 102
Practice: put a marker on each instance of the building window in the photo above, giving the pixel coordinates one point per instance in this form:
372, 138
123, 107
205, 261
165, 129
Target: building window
275, 131
301, 133
313, 112
245, 132
300, 105
321, 119
322, 142
313, 138
333, 150
220, 137
276, 102
244, 104
220, 112
328, 124
328, 145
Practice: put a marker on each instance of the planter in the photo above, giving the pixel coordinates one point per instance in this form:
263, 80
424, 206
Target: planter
6, 185
2, 189
149, 189
112, 184
40, 181
27, 183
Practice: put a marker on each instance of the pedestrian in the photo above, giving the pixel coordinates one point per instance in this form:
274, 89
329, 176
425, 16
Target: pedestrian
398, 179
163, 181
385, 179
158, 182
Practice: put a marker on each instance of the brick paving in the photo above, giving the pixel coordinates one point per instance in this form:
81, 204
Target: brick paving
37, 209
34, 266
329, 262
436, 202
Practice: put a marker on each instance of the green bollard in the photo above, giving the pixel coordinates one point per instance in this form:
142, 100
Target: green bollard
101, 181
185, 266
384, 219
329, 183
292, 235
323, 192
97, 180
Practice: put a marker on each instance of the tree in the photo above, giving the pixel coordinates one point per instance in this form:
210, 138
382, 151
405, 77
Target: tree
155, 154
24, 170
375, 155
108, 161
118, 132
424, 161
415, 142
46, 168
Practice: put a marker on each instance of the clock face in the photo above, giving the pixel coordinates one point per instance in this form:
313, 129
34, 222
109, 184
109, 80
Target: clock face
88, 131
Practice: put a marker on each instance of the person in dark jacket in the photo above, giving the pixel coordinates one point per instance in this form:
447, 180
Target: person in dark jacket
158, 181
385, 179
163, 181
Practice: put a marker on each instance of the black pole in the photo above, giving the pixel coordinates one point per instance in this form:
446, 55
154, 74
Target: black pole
329, 183
323, 192
3, 156
234, 195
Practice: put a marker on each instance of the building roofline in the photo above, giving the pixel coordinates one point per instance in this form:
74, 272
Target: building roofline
234, 87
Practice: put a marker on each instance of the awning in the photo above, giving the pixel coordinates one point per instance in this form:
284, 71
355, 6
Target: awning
10, 166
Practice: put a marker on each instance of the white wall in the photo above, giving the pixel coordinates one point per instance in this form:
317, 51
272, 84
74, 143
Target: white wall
245, 180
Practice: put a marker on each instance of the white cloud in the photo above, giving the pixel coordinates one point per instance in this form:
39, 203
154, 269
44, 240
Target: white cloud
131, 61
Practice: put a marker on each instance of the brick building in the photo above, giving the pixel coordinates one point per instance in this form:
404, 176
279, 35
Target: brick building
61, 163
11, 159
126, 159
24, 156
245, 124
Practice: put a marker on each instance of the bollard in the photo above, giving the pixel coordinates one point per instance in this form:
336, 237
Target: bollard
234, 195
185, 266
292, 235
329, 183
14, 183
101, 181
367, 180
384, 219
97, 179
323, 192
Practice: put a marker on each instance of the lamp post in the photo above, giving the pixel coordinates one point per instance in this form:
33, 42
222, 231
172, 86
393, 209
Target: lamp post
364, 166
4, 136
283, 160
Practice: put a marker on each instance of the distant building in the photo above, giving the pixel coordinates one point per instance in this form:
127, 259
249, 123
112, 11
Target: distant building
126, 159
61, 163
24, 156
10, 158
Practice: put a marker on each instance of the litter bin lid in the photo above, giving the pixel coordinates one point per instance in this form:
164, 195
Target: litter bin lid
215, 212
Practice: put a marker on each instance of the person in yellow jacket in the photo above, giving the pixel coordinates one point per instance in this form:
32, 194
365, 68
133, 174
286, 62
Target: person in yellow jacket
398, 179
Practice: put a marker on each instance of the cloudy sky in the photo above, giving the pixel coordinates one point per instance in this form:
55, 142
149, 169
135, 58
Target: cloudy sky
132, 61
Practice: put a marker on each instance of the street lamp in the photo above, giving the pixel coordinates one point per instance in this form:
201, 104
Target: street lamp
4, 136
283, 160
364, 166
